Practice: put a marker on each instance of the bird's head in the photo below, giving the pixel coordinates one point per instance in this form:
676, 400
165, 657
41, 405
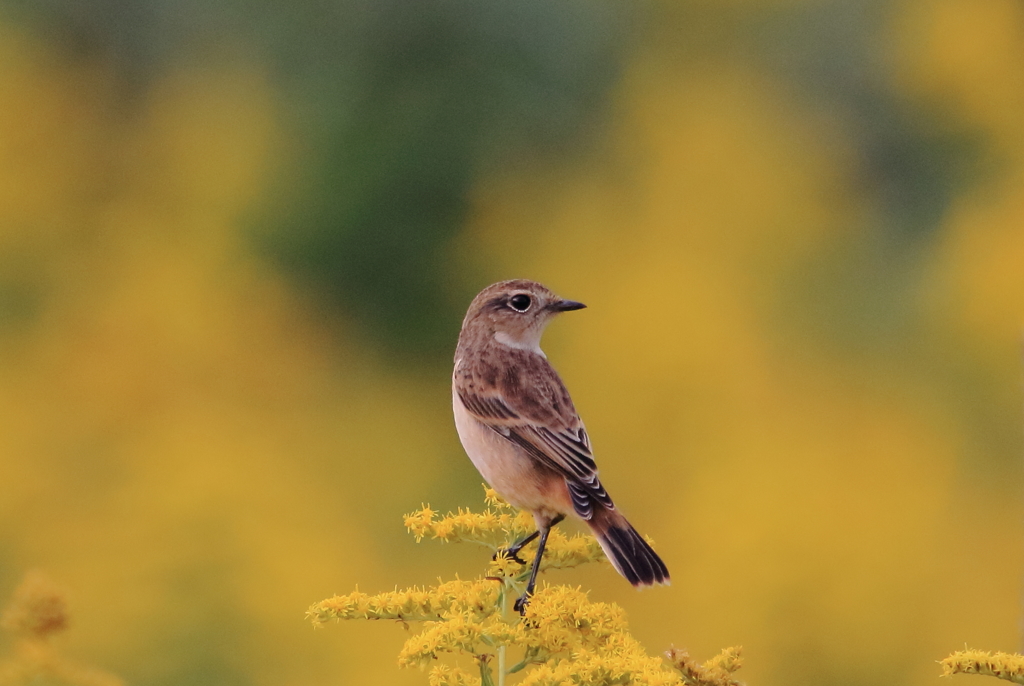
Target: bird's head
515, 313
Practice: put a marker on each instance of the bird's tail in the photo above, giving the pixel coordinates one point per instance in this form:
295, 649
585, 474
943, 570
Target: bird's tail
628, 552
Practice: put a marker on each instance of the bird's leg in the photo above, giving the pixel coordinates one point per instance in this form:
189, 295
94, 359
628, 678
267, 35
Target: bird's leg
521, 601
512, 552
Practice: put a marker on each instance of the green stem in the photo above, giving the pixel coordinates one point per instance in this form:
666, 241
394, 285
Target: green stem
531, 657
485, 674
503, 599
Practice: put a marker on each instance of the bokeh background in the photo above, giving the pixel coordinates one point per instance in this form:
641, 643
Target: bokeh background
237, 240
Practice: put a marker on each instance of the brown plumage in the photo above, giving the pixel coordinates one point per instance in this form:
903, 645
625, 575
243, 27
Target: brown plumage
520, 428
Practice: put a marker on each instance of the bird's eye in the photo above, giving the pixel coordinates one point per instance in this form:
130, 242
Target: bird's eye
520, 302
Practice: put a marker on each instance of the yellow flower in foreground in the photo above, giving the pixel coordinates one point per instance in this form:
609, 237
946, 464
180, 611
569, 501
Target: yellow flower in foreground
715, 672
563, 639
1002, 665
443, 675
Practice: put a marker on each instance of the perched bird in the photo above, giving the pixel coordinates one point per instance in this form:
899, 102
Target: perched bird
519, 427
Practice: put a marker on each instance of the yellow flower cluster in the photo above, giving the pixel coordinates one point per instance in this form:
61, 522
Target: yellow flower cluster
443, 675
38, 611
717, 671
1007, 666
488, 528
564, 637
497, 527
586, 643
476, 598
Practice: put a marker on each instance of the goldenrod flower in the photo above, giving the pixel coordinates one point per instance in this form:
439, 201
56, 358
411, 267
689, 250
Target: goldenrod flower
715, 672
1009, 666
443, 675
565, 638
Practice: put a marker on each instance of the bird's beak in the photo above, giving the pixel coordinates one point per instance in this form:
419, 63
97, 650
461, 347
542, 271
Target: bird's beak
566, 305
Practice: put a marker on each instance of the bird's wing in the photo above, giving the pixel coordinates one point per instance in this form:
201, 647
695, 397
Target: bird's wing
529, 406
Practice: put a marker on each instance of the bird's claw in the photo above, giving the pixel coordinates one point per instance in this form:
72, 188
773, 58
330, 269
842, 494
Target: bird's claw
510, 555
521, 603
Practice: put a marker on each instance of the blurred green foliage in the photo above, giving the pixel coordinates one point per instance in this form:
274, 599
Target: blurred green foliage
398, 108
434, 95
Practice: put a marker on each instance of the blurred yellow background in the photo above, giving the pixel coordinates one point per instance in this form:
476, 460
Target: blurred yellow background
231, 279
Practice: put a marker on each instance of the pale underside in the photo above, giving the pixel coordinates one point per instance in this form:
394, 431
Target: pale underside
515, 475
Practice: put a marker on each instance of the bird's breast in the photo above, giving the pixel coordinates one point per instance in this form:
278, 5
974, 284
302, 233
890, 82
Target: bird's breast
516, 476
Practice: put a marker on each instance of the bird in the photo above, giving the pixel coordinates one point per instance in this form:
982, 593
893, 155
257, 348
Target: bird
519, 427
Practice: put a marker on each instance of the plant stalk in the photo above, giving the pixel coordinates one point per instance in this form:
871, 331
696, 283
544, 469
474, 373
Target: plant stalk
504, 617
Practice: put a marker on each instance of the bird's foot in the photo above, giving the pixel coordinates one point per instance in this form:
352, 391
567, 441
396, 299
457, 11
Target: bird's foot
521, 603
510, 553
